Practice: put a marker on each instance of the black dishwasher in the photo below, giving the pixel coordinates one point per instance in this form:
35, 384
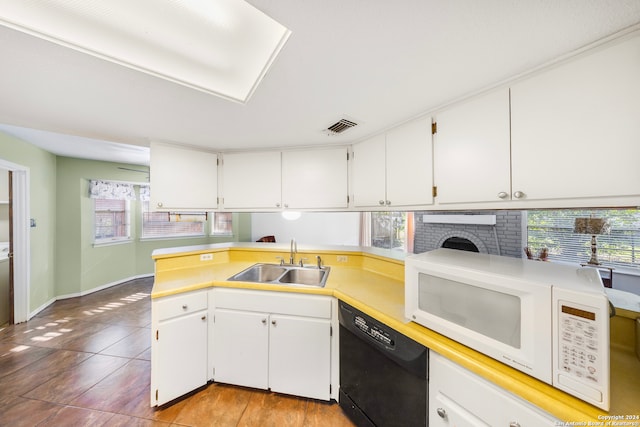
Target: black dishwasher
383, 374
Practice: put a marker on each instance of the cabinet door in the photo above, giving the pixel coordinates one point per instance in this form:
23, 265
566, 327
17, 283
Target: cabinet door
471, 151
576, 128
460, 397
314, 179
241, 348
300, 356
251, 180
410, 164
369, 172
183, 178
181, 356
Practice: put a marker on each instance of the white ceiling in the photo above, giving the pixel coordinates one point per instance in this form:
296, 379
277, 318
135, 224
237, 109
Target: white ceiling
376, 62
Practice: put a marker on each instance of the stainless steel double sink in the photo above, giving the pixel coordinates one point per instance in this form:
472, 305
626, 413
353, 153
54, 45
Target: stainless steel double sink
283, 274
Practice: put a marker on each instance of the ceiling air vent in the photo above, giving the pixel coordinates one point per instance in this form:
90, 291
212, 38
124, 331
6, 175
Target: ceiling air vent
341, 126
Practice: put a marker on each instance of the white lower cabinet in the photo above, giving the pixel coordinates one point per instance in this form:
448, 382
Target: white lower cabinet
460, 398
273, 340
179, 345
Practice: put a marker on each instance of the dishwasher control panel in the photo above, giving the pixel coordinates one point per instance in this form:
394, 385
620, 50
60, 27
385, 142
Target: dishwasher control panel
373, 331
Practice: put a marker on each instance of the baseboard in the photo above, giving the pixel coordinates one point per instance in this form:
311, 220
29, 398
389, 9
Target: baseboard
87, 292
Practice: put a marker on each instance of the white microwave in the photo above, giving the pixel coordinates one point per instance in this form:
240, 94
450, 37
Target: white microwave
548, 320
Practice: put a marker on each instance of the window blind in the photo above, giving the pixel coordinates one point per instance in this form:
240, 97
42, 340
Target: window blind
553, 229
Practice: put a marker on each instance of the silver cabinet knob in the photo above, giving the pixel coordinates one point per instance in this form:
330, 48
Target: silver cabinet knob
277, 205
503, 195
514, 424
441, 413
286, 205
381, 202
518, 194
203, 318
184, 306
264, 321
388, 202
159, 204
273, 322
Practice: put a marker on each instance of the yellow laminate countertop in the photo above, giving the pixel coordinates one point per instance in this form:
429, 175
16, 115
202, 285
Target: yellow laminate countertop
373, 281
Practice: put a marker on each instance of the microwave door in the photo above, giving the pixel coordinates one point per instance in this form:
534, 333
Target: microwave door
504, 322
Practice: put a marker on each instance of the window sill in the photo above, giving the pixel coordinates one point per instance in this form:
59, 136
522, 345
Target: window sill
151, 239
112, 243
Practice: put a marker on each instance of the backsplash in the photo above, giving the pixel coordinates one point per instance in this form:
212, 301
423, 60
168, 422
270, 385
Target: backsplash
503, 238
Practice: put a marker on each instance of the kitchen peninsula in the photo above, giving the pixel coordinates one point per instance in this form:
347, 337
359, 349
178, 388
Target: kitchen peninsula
370, 280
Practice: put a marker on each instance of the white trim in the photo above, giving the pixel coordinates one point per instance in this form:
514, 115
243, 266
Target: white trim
21, 240
459, 219
90, 291
103, 287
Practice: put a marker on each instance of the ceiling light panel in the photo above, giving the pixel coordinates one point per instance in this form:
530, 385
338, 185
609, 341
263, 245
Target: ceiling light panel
223, 47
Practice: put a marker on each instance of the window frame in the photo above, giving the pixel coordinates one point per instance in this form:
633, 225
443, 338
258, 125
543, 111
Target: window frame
115, 239
145, 209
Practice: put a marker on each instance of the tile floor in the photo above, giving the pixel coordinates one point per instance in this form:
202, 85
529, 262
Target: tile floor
86, 362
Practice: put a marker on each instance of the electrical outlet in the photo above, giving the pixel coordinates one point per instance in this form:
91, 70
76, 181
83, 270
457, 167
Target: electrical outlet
206, 257
342, 258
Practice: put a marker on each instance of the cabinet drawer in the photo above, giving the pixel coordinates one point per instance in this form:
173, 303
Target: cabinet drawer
274, 302
178, 305
460, 397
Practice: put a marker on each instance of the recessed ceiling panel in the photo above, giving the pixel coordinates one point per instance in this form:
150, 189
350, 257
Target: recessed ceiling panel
223, 47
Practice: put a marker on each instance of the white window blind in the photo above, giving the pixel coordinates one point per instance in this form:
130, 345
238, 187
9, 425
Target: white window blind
222, 224
554, 229
171, 224
111, 220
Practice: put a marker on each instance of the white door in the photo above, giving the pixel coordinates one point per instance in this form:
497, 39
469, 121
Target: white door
183, 178
300, 356
410, 164
369, 172
241, 348
251, 180
576, 127
472, 160
315, 179
181, 355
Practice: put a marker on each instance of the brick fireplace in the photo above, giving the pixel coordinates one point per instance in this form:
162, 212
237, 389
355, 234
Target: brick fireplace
492, 232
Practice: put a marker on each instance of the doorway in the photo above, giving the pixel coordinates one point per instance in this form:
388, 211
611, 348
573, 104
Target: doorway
18, 240
6, 283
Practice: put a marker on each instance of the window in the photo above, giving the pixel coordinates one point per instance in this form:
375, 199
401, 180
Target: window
112, 220
222, 224
553, 229
171, 224
391, 230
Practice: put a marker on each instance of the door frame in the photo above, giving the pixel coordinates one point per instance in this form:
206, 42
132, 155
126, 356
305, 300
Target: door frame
20, 239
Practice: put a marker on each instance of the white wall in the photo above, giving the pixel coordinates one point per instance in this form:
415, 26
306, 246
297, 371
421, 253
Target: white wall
327, 228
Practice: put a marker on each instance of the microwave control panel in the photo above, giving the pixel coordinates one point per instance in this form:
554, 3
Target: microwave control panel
582, 365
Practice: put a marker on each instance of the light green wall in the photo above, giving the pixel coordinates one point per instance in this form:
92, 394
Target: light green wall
42, 203
64, 261
82, 267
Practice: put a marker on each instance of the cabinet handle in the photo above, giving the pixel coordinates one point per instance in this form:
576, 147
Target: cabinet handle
264, 321
203, 318
502, 195
381, 202
286, 205
273, 322
514, 424
441, 413
518, 194
388, 202
184, 306
277, 205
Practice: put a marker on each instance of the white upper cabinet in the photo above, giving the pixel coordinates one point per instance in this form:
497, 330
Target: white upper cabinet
576, 128
315, 179
396, 169
471, 151
251, 180
183, 178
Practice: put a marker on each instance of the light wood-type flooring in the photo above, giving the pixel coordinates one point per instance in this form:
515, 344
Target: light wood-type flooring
86, 362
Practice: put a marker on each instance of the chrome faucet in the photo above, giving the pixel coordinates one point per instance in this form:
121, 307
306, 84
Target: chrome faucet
319, 261
294, 251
